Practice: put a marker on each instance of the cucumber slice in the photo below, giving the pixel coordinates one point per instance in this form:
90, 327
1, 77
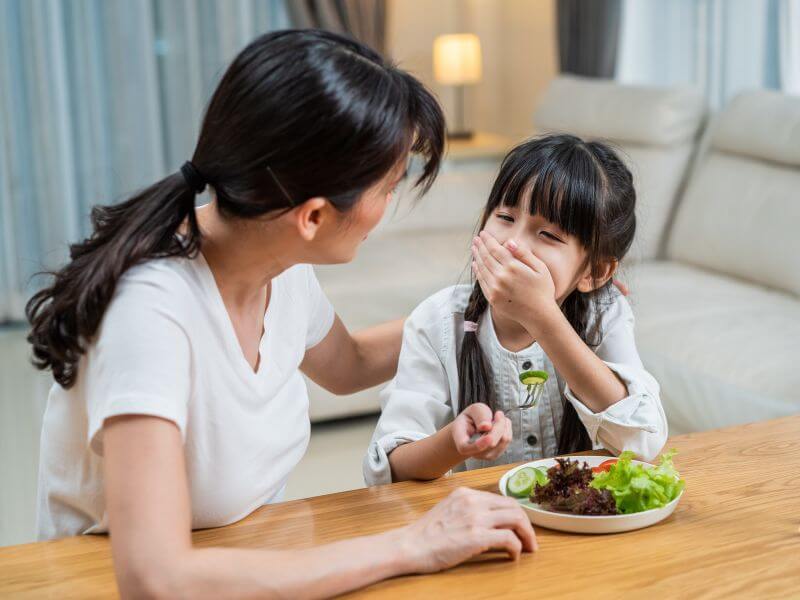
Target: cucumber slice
520, 484
533, 377
541, 476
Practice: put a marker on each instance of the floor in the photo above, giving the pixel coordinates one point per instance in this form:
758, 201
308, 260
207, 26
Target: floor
331, 464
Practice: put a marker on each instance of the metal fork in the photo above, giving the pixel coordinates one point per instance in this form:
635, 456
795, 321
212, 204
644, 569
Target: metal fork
532, 399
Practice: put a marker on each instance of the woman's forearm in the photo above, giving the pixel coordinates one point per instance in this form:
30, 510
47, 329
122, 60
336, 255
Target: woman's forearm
378, 350
425, 459
346, 363
589, 378
149, 511
149, 516
317, 572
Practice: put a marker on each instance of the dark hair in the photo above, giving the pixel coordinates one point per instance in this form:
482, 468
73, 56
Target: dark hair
298, 114
585, 189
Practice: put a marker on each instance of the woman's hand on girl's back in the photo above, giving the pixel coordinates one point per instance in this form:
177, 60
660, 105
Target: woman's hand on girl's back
495, 432
466, 523
516, 283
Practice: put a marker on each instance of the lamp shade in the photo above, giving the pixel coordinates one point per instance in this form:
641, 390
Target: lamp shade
457, 59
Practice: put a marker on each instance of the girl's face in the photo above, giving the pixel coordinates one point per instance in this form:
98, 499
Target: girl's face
563, 254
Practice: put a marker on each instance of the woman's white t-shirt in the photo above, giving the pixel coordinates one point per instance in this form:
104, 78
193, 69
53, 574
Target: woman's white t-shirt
166, 347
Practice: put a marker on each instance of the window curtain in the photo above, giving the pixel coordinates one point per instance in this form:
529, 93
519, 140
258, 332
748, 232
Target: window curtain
720, 46
789, 45
587, 36
99, 98
364, 20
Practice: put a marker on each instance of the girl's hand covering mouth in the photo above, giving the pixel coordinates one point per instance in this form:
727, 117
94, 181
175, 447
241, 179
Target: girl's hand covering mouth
516, 283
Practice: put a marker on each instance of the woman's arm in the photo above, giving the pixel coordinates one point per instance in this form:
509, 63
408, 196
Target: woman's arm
150, 523
345, 363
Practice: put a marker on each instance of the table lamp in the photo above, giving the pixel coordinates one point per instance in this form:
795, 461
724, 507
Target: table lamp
457, 62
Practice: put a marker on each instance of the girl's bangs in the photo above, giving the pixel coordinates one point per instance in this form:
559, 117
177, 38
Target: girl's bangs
562, 187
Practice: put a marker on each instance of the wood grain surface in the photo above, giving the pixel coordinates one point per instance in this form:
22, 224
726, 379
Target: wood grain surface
734, 533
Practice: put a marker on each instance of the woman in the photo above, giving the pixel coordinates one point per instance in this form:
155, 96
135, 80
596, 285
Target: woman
175, 335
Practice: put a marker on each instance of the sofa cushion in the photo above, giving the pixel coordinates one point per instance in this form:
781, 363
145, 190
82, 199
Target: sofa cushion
597, 108
761, 124
740, 216
654, 129
723, 351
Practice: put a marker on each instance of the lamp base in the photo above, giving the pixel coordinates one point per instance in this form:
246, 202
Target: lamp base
460, 135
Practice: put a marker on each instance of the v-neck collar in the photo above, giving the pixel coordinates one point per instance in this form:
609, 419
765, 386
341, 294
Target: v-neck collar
234, 349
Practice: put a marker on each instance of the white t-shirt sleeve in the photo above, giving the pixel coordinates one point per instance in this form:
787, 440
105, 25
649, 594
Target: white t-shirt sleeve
321, 314
140, 363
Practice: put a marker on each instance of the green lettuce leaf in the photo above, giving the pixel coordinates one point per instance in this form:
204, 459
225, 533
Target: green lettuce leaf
636, 488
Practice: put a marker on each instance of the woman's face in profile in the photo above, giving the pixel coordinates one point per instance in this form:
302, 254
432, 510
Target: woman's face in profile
359, 221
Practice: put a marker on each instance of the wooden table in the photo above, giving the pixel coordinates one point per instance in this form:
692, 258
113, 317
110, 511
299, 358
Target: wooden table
735, 533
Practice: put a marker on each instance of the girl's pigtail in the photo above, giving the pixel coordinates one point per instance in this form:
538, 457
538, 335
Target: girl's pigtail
474, 376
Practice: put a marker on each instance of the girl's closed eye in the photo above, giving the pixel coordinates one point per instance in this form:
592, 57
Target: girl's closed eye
553, 237
509, 218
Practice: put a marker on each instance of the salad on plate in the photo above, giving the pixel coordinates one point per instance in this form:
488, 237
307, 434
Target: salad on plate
617, 486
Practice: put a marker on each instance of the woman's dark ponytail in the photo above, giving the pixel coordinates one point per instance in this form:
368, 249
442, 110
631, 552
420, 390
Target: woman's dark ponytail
298, 114
65, 315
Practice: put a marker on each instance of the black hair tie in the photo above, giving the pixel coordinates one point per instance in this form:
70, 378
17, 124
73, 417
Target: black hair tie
193, 177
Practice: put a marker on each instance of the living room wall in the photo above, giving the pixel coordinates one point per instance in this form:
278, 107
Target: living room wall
519, 54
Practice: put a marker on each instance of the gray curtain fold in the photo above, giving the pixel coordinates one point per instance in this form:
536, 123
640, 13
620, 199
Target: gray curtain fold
97, 99
365, 20
588, 33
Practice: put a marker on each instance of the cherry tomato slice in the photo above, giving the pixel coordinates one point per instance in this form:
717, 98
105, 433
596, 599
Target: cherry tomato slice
604, 466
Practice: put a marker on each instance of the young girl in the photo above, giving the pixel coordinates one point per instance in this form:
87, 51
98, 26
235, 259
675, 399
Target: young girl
559, 219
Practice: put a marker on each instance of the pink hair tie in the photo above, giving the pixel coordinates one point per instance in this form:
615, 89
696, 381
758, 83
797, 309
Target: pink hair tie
470, 326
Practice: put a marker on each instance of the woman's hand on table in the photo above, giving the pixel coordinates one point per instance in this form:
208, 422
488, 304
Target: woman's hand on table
149, 510
465, 524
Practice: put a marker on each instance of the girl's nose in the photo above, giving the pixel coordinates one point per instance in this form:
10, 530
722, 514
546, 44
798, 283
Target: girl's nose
521, 243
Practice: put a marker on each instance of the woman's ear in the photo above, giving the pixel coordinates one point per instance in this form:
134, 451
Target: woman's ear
310, 216
587, 283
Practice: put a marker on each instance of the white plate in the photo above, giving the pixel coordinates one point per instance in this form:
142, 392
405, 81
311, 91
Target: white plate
585, 523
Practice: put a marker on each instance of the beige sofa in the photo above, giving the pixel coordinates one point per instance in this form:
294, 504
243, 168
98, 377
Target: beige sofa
715, 268
715, 275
